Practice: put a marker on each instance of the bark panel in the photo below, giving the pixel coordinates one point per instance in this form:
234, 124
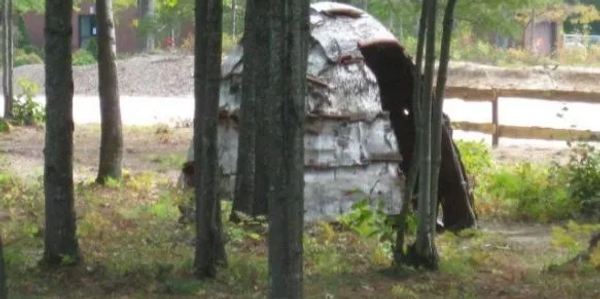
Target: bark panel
394, 70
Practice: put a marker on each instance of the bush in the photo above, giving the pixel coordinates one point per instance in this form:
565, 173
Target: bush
83, 57
583, 179
528, 191
24, 58
92, 47
26, 110
535, 192
30, 49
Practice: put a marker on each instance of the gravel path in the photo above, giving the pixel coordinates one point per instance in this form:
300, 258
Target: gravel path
165, 75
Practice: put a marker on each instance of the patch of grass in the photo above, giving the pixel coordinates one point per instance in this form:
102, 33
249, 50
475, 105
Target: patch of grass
168, 162
133, 247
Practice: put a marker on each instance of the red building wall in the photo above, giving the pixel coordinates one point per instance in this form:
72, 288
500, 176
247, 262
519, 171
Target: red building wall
124, 30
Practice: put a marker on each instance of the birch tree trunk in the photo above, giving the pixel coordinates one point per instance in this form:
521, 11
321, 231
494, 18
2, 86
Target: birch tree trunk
111, 142
210, 247
60, 240
284, 110
8, 44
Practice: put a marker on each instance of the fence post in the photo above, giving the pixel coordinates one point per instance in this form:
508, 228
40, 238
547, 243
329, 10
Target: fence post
495, 124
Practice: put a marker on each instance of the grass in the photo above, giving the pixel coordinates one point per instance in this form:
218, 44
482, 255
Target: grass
134, 248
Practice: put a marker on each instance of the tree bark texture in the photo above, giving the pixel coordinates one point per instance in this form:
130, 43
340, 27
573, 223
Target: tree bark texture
425, 251
250, 191
207, 80
3, 278
284, 110
8, 45
60, 238
243, 200
438, 106
111, 142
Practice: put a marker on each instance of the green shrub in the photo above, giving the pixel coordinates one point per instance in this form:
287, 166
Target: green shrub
26, 110
583, 179
92, 47
83, 57
476, 156
30, 49
24, 58
532, 192
22, 34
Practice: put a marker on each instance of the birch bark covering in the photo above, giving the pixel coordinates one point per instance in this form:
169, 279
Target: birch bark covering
60, 240
349, 142
111, 142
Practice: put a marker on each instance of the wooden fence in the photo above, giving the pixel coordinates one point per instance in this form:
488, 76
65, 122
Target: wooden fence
498, 130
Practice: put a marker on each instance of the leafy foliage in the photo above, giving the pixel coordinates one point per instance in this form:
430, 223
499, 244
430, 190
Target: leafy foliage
26, 56
26, 110
83, 57
535, 191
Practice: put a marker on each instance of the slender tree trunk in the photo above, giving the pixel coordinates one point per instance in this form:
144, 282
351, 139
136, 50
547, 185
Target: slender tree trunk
147, 10
233, 17
288, 26
111, 142
60, 239
425, 251
438, 106
3, 289
8, 42
207, 74
413, 173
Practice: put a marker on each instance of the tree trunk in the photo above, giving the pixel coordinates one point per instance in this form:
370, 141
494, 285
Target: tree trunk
207, 74
111, 142
8, 37
424, 251
147, 10
284, 110
249, 197
60, 239
3, 289
233, 17
438, 106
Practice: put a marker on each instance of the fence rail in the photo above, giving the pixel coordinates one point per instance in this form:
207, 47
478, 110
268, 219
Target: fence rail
497, 130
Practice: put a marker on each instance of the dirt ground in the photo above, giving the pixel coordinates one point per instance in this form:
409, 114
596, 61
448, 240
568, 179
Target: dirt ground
162, 150
157, 148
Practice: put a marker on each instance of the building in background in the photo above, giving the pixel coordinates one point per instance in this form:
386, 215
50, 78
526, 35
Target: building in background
544, 36
84, 27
